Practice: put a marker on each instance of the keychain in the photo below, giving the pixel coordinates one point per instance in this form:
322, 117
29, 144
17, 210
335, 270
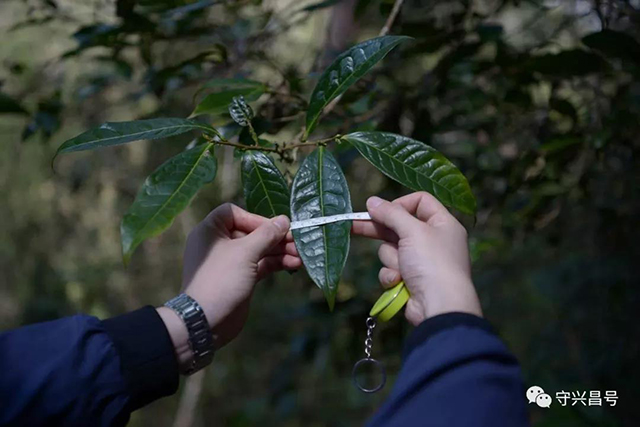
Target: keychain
389, 303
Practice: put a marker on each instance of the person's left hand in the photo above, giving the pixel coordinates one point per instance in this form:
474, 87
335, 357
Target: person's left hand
225, 256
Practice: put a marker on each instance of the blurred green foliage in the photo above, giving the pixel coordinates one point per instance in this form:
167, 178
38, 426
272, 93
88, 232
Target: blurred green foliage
538, 103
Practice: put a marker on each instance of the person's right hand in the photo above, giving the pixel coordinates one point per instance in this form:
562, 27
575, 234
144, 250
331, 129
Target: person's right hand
427, 248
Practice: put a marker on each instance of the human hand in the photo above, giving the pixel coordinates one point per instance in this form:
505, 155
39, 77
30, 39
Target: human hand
225, 256
427, 248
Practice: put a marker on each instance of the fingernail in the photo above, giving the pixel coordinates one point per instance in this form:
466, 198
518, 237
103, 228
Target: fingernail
374, 202
282, 222
392, 276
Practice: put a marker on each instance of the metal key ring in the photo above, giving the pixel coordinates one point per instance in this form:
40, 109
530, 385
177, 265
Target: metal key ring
378, 365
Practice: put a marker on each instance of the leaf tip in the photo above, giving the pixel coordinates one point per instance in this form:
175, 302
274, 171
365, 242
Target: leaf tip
128, 243
331, 299
127, 252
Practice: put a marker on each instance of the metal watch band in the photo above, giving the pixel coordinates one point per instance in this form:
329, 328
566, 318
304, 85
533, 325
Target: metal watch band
200, 336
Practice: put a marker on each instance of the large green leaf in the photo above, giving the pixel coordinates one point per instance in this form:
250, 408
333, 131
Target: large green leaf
320, 189
265, 189
164, 194
350, 66
226, 89
116, 133
417, 166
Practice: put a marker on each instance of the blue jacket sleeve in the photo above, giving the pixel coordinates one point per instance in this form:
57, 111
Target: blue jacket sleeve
456, 373
81, 371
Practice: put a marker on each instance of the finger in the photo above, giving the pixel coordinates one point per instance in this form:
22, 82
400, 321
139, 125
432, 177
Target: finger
283, 248
232, 217
389, 277
388, 254
421, 204
271, 264
291, 249
290, 262
237, 234
259, 242
393, 216
373, 230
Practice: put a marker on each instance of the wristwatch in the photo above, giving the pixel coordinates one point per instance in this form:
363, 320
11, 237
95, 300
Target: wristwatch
200, 336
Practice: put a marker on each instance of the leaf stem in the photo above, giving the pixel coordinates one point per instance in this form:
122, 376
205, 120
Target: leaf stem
252, 131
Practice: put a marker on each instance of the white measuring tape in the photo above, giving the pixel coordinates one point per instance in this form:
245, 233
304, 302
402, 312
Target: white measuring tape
314, 222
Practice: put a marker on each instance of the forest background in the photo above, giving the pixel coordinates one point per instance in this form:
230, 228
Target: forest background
537, 102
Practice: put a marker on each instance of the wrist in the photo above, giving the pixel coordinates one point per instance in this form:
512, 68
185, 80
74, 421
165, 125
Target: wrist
190, 333
453, 296
179, 336
208, 304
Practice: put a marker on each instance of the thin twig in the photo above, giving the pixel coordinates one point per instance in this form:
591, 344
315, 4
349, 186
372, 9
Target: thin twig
247, 147
324, 141
278, 149
392, 17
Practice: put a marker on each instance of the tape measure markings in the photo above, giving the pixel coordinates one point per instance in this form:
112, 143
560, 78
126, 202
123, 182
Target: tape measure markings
314, 222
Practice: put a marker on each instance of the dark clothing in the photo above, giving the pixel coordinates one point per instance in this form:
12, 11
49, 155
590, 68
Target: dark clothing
456, 373
80, 371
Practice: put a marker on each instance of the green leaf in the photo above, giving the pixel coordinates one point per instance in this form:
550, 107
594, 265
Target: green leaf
350, 66
265, 189
417, 166
240, 111
164, 194
10, 105
320, 189
218, 102
116, 133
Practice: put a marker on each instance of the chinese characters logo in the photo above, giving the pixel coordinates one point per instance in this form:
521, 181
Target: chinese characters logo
535, 394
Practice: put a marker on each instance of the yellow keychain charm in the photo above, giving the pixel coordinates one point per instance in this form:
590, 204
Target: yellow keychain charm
390, 302
387, 306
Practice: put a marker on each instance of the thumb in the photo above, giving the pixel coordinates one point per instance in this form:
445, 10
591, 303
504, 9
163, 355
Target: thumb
392, 216
265, 237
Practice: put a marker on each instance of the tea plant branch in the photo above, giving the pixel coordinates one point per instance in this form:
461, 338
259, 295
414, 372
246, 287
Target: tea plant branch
279, 149
171, 187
